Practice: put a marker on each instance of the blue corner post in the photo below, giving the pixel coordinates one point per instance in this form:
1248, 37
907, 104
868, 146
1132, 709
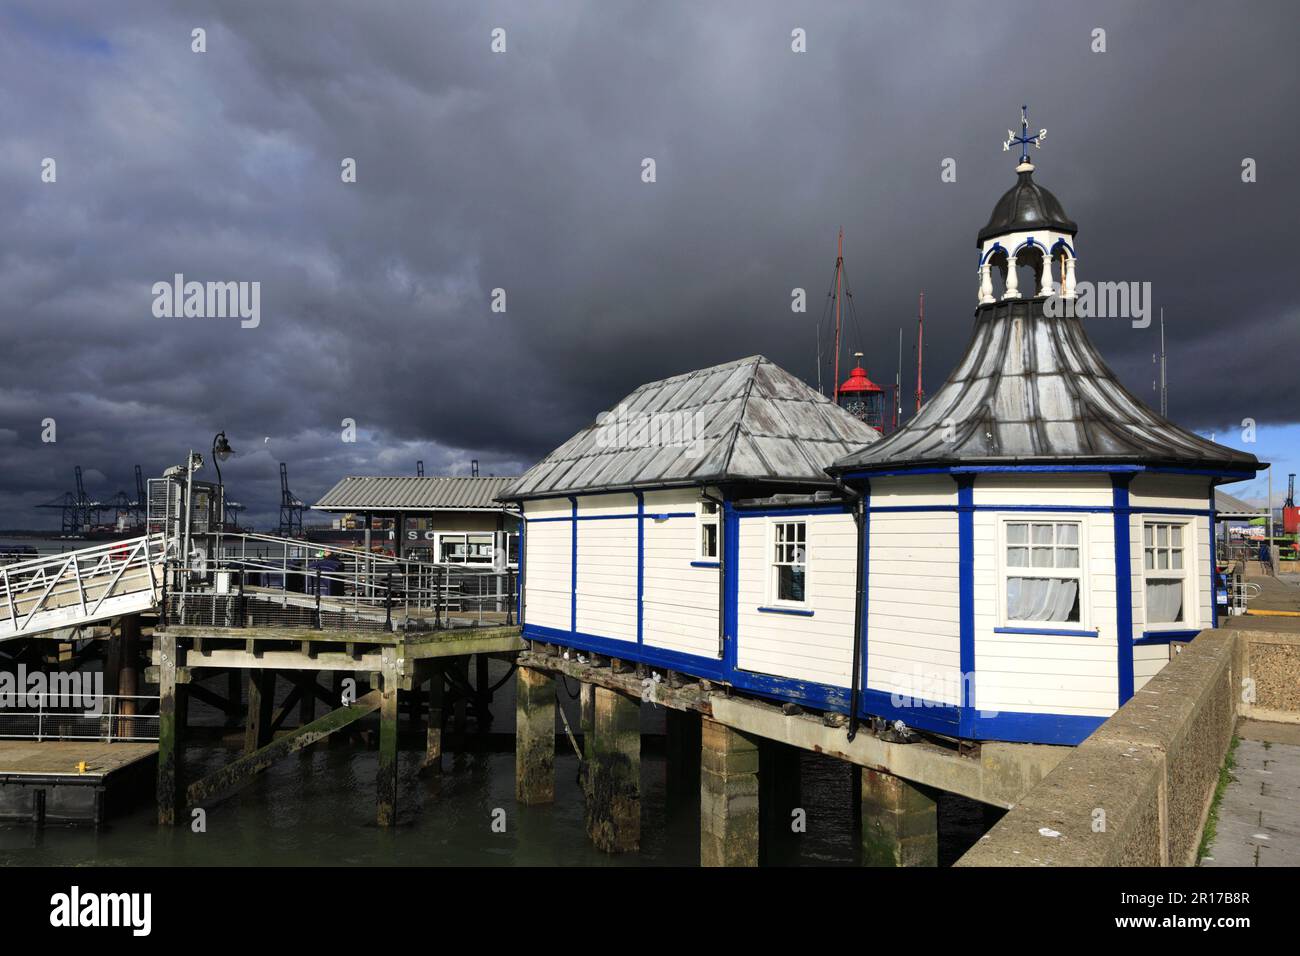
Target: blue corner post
1123, 583
966, 600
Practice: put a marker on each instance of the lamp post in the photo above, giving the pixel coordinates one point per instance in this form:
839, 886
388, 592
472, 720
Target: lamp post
221, 450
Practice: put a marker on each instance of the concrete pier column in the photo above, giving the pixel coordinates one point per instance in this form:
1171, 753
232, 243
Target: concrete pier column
534, 736
613, 805
387, 782
261, 699
728, 796
433, 736
899, 822
168, 743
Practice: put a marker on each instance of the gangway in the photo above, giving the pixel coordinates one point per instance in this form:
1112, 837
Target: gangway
80, 587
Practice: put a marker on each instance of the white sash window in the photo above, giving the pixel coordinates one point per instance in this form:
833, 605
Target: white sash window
1164, 568
1042, 571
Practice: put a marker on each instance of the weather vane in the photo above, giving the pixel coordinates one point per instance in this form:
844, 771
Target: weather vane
1024, 139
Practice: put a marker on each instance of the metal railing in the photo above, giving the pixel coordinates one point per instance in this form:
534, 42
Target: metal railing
102, 717
76, 587
264, 581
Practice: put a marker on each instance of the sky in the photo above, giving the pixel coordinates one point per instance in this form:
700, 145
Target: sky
522, 171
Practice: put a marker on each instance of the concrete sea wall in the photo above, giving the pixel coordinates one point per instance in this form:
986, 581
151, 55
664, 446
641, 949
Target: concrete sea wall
1136, 792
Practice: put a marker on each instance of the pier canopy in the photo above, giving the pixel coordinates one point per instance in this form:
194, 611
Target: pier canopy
744, 421
383, 493
445, 519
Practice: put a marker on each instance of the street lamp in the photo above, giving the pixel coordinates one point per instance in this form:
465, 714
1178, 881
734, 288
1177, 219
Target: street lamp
221, 450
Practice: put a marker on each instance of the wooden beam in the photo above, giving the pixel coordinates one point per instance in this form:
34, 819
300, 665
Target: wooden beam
239, 772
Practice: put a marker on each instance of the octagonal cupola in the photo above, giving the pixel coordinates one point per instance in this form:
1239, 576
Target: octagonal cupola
1028, 227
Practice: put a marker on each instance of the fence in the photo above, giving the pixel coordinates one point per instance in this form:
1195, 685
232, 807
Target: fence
261, 581
104, 717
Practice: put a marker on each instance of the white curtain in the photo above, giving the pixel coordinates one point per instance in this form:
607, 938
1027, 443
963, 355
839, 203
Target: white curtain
1041, 599
1164, 602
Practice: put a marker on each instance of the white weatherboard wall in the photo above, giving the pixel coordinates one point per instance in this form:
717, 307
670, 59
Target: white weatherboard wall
607, 559
1047, 673
548, 564
680, 606
817, 648
913, 613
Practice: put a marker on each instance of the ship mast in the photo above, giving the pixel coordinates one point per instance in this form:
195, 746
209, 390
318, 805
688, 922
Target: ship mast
839, 269
920, 346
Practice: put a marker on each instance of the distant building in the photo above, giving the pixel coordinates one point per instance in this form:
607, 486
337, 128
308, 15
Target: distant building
451, 520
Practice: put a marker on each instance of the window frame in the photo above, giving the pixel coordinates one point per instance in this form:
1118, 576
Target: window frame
1084, 627
1189, 573
773, 575
703, 519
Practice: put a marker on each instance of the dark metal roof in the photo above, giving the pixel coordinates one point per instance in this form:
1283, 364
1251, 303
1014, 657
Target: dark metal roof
376, 493
1033, 390
747, 420
1026, 206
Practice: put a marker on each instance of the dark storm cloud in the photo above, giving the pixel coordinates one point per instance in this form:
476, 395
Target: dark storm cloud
522, 171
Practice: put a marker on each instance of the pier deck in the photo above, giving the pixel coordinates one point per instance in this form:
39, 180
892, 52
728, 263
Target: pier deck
40, 781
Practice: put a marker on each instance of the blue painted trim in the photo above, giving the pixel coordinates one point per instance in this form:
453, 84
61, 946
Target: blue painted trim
886, 509
705, 667
1067, 729
730, 582
628, 517
799, 612
864, 622
706, 564
821, 696
1044, 469
966, 597
923, 715
1214, 567
1082, 509
640, 567
1060, 632
573, 583
1164, 637
794, 511
1123, 586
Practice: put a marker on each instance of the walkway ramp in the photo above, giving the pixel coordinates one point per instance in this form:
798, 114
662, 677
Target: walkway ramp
80, 587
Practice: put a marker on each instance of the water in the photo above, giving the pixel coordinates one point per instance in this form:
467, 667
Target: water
317, 808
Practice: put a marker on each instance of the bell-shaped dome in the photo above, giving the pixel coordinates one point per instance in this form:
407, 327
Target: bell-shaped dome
1024, 207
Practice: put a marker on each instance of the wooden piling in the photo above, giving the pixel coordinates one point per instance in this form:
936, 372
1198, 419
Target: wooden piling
168, 756
613, 804
261, 699
728, 796
899, 822
433, 738
387, 784
534, 736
